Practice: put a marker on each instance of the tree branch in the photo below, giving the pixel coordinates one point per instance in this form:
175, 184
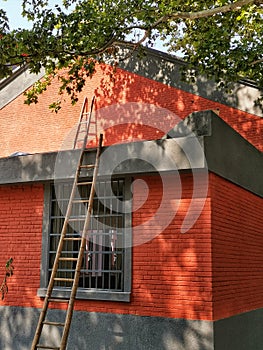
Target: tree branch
211, 12
256, 62
189, 15
194, 15
200, 14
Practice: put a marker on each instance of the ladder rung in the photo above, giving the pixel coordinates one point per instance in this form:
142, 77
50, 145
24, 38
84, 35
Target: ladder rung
76, 219
72, 238
80, 201
87, 149
54, 300
62, 279
84, 183
68, 259
50, 323
47, 347
87, 166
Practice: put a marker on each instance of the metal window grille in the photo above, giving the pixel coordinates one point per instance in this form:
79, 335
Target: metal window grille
103, 261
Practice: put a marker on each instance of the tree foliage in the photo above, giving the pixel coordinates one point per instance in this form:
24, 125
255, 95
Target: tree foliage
9, 271
222, 38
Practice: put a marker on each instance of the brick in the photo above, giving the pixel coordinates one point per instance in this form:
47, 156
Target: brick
21, 240
237, 248
52, 130
174, 275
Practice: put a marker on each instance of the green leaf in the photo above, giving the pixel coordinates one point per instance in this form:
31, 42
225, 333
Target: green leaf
79, 33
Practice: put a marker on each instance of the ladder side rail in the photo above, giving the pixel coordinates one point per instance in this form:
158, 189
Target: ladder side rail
81, 251
88, 120
56, 261
88, 124
63, 234
80, 120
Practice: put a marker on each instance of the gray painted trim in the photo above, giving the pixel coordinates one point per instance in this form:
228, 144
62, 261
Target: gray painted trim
121, 159
152, 156
37, 167
231, 156
88, 293
197, 123
45, 236
127, 282
16, 84
227, 153
15, 73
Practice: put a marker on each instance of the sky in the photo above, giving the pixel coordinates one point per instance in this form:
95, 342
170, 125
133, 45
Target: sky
13, 9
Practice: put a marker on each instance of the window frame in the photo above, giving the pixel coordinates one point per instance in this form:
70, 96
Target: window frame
86, 293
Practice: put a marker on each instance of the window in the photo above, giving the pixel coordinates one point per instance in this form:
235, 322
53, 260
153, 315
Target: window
105, 272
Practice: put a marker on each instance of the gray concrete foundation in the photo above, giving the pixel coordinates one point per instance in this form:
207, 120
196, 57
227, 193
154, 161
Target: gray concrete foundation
103, 331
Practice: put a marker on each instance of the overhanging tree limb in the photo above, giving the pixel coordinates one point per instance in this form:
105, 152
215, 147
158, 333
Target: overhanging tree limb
214, 11
200, 14
225, 42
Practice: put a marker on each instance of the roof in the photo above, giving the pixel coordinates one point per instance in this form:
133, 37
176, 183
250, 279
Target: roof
158, 66
17, 83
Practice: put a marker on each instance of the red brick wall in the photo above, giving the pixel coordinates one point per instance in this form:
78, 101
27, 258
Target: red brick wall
237, 249
21, 209
36, 129
171, 274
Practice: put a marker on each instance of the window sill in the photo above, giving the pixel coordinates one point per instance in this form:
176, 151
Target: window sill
87, 294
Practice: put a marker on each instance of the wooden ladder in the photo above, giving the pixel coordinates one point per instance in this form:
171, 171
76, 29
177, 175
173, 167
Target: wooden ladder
84, 124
